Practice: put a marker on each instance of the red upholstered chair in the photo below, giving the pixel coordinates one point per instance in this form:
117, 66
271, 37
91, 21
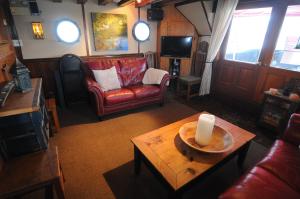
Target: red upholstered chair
132, 93
278, 174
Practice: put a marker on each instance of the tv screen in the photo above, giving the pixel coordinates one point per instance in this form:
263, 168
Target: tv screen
176, 46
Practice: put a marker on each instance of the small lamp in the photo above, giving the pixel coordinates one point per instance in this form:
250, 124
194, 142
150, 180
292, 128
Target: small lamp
38, 32
21, 77
298, 44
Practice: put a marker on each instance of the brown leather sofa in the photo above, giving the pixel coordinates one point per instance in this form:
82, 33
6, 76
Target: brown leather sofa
132, 94
277, 176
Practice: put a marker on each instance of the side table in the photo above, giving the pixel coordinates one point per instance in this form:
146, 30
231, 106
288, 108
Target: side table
276, 110
28, 173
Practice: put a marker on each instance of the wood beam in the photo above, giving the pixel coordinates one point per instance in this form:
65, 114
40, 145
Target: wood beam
104, 2
206, 16
125, 2
185, 2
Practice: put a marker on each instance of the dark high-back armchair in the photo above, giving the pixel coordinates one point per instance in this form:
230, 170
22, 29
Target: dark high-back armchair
70, 80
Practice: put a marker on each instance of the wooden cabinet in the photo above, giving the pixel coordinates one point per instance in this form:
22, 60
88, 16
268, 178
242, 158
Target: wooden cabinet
276, 111
24, 125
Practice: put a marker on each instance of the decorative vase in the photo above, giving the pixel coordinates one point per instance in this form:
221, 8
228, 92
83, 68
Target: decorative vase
205, 127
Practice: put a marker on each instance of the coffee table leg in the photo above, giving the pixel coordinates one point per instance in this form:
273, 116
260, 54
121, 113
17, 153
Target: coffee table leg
49, 192
242, 155
137, 161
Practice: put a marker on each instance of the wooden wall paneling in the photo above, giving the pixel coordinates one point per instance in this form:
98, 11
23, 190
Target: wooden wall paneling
224, 79
185, 66
175, 24
245, 82
44, 68
164, 63
272, 78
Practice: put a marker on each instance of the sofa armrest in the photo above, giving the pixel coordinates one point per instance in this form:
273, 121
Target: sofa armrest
292, 132
164, 82
98, 94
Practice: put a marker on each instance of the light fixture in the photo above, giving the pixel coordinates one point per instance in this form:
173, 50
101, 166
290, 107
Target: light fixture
141, 31
298, 44
68, 31
38, 32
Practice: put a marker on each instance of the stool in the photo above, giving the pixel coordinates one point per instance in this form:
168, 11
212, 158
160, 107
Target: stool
189, 81
28, 173
51, 107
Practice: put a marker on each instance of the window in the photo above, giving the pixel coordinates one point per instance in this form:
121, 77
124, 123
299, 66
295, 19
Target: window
287, 52
68, 31
247, 33
141, 31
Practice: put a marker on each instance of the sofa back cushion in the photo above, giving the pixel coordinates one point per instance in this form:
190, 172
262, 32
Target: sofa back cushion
132, 70
103, 64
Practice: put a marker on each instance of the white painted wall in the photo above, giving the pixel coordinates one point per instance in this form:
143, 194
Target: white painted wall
196, 15
132, 17
54, 12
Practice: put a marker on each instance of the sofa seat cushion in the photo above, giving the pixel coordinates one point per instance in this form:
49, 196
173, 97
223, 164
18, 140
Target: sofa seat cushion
118, 96
283, 161
143, 91
260, 183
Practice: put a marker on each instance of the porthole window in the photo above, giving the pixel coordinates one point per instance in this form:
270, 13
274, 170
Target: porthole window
68, 31
141, 31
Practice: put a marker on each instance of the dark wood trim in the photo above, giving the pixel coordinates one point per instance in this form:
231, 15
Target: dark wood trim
273, 31
185, 2
125, 2
265, 3
206, 16
85, 30
86, 57
81, 1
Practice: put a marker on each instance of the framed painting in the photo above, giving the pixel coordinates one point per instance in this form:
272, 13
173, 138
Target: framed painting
110, 31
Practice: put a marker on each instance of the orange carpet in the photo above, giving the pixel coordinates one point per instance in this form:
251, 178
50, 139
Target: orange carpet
87, 151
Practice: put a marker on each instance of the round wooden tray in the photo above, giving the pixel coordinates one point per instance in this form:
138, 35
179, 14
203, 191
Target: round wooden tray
221, 141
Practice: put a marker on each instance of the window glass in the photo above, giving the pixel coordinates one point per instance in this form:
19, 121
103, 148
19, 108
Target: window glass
247, 33
287, 51
68, 31
141, 31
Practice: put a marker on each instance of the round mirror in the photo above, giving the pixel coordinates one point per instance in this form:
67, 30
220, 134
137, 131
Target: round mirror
68, 31
141, 31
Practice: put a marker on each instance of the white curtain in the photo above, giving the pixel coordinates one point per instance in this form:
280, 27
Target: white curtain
224, 13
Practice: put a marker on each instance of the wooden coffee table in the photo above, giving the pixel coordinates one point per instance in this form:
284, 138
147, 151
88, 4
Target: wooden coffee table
176, 165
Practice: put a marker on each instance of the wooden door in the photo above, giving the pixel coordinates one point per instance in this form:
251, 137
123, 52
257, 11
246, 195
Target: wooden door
248, 81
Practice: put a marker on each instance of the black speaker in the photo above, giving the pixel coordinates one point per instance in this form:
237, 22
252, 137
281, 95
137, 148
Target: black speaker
155, 14
34, 9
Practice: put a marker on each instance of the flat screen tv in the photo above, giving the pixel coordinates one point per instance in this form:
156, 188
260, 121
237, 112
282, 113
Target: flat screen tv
176, 46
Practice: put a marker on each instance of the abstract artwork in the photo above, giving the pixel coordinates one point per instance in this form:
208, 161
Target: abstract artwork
110, 31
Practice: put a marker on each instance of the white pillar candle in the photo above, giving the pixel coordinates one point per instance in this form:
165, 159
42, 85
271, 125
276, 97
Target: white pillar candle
204, 129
